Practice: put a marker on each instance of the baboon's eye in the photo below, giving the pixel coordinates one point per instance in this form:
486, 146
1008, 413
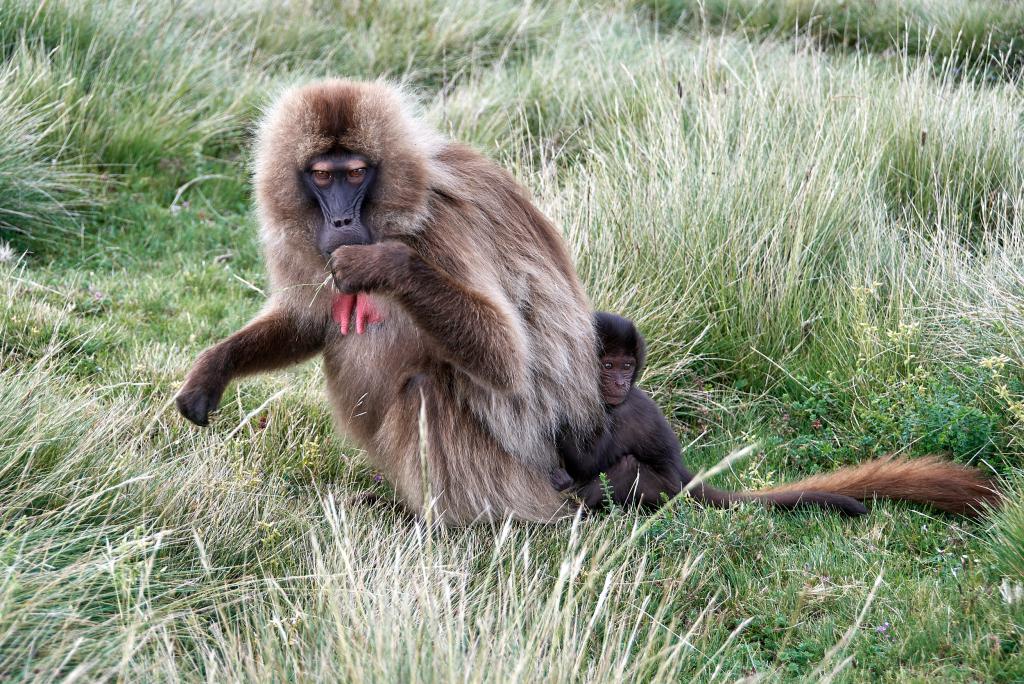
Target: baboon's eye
607, 366
627, 366
321, 178
356, 175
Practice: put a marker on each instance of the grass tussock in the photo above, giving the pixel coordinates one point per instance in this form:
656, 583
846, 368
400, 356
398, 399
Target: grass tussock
1008, 543
983, 37
188, 565
42, 192
823, 247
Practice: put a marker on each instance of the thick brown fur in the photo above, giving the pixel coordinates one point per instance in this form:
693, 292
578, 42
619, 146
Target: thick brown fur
927, 480
485, 321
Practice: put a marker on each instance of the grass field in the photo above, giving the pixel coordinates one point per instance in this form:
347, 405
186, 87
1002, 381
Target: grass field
813, 209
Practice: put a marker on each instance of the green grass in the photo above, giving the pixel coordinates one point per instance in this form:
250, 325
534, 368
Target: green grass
823, 247
982, 37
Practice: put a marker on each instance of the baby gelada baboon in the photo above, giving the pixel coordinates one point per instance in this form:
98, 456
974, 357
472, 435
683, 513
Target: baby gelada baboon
639, 456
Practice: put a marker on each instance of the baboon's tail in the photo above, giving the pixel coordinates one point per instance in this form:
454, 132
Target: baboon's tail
786, 500
928, 480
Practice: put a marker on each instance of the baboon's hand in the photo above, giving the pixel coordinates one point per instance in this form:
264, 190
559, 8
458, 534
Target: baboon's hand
370, 268
560, 479
199, 397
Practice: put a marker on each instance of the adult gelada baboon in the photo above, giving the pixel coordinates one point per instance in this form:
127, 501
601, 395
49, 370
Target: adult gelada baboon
462, 294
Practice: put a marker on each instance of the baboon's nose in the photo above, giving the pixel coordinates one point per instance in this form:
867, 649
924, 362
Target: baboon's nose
338, 223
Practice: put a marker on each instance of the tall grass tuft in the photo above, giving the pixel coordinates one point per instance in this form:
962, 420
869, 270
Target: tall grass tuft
1008, 536
41, 191
986, 36
791, 211
133, 550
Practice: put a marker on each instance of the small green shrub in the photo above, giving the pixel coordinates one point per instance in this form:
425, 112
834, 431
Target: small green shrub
825, 423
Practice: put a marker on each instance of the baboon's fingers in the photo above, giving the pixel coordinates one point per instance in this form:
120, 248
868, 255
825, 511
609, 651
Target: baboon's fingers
592, 494
560, 479
196, 404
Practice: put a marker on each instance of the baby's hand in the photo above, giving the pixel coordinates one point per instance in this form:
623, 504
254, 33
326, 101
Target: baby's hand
560, 479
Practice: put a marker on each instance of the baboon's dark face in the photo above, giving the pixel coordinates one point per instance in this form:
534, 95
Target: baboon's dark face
622, 355
339, 183
617, 370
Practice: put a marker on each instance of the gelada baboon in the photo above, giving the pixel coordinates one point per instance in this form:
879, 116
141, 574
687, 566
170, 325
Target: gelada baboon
640, 457
463, 294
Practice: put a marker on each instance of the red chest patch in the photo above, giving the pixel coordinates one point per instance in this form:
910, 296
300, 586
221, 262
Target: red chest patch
343, 306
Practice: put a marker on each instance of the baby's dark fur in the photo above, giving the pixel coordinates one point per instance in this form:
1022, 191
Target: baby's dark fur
639, 456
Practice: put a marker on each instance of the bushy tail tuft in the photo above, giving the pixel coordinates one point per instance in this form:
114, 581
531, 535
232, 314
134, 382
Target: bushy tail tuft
928, 480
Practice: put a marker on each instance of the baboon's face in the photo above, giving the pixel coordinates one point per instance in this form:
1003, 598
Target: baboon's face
617, 370
339, 183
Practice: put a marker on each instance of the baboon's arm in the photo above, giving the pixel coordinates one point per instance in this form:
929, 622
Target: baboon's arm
273, 339
471, 330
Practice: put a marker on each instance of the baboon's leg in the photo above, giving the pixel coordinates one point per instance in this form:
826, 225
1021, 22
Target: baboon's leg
632, 483
468, 477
